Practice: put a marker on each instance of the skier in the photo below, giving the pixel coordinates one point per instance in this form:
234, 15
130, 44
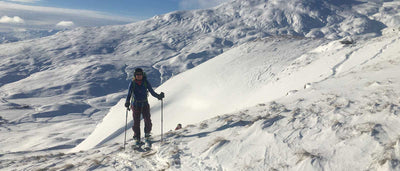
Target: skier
137, 100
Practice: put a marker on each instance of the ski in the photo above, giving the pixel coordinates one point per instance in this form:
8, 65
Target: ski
148, 153
144, 147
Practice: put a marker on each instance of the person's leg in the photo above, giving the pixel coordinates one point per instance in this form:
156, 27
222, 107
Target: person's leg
147, 120
136, 122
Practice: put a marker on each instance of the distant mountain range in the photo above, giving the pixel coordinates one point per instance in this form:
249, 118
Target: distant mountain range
9, 37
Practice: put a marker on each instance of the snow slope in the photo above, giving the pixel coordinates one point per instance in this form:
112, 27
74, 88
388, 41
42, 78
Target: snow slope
220, 85
86, 70
67, 82
345, 120
15, 36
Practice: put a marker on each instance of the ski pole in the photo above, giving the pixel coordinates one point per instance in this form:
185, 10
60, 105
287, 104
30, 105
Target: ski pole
162, 118
126, 125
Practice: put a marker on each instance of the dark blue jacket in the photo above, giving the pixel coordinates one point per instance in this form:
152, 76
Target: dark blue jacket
139, 92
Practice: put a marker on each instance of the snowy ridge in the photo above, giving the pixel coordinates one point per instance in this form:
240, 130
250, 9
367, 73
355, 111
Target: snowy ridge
8, 37
89, 68
322, 103
201, 92
324, 126
349, 120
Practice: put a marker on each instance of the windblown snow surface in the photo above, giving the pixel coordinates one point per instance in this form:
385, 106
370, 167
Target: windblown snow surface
15, 36
257, 85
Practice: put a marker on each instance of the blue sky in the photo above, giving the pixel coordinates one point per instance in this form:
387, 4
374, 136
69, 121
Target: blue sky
50, 14
136, 8
140, 9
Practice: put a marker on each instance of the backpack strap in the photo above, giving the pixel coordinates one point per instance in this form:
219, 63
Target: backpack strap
133, 89
134, 84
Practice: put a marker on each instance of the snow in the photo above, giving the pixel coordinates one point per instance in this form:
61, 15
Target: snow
24, 34
284, 99
323, 126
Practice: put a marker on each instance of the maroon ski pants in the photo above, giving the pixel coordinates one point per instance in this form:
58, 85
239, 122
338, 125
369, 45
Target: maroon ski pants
144, 110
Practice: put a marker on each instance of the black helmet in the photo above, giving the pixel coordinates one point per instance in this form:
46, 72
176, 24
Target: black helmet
138, 71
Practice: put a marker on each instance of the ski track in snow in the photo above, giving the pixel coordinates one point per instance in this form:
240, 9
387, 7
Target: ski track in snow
337, 66
380, 51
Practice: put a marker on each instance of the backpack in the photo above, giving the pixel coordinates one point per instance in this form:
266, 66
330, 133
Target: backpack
134, 84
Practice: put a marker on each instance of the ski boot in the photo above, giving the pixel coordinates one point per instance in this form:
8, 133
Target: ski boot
138, 144
147, 141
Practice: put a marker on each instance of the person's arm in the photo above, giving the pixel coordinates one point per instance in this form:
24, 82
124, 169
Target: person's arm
154, 94
128, 98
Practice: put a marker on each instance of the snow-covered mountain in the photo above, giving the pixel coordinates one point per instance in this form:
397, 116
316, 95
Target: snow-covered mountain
15, 36
345, 116
317, 96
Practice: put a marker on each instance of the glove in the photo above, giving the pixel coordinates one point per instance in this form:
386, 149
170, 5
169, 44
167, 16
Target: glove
127, 104
161, 96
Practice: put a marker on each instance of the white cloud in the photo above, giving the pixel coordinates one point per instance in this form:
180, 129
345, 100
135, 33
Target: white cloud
199, 4
25, 1
45, 18
11, 20
60, 11
65, 24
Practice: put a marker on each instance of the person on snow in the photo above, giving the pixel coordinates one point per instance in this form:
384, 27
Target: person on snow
178, 127
137, 101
